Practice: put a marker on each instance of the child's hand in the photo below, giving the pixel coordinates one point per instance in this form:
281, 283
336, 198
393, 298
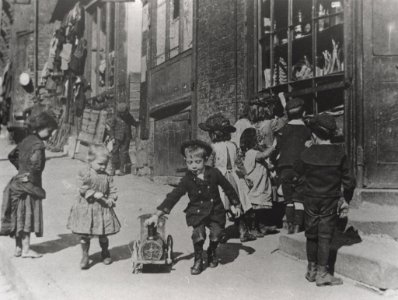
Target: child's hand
110, 203
236, 211
343, 209
98, 195
152, 220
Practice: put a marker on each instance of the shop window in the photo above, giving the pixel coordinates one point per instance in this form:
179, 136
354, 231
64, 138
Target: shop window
300, 50
102, 44
160, 32
174, 33
385, 27
187, 24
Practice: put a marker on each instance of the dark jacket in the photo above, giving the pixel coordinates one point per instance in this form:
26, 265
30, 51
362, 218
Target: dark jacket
204, 197
121, 126
324, 169
291, 143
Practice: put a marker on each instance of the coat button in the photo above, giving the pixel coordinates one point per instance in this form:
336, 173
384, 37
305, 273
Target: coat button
199, 192
211, 200
198, 210
201, 202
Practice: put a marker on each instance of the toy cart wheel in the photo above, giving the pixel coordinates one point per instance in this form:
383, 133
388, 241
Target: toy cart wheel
169, 259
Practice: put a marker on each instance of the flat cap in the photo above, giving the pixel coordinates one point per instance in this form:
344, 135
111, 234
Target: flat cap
294, 103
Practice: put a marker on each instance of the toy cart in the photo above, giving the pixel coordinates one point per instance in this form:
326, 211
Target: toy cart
153, 248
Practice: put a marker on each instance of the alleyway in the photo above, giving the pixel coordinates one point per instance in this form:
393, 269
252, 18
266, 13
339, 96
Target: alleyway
255, 270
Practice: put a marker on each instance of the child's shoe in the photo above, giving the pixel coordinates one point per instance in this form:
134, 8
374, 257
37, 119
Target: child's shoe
85, 260
311, 272
197, 267
324, 278
106, 256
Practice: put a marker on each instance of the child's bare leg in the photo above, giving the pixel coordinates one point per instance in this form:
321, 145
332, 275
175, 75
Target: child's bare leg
18, 246
85, 244
26, 251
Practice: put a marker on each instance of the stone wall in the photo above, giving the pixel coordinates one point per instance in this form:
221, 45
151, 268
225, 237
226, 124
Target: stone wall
221, 52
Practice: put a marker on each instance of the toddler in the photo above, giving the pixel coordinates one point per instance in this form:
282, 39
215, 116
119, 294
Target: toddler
92, 215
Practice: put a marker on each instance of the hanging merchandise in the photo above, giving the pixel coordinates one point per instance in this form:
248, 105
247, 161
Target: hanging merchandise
78, 58
65, 56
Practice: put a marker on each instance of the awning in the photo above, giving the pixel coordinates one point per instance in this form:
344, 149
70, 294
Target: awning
61, 9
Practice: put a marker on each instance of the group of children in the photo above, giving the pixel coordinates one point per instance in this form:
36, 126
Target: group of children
224, 178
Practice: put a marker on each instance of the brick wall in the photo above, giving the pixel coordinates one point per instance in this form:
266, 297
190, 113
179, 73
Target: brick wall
220, 49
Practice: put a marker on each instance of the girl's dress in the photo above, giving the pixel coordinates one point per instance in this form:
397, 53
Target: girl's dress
260, 189
225, 157
89, 216
22, 198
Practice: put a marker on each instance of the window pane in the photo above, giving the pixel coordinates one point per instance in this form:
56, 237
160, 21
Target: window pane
385, 27
264, 45
187, 24
280, 42
302, 66
160, 31
174, 27
94, 46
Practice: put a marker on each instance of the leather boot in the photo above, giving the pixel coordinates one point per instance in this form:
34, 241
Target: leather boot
106, 256
311, 271
85, 248
244, 234
212, 258
324, 278
197, 267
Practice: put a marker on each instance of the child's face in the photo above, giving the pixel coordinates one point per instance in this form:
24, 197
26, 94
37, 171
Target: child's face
45, 133
195, 164
99, 164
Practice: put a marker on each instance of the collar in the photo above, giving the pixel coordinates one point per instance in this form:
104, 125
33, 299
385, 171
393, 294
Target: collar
296, 122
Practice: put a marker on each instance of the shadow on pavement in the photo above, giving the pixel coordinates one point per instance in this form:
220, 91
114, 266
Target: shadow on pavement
64, 241
342, 238
228, 252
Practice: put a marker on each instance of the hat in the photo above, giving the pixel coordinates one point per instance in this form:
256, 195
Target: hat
294, 103
323, 123
217, 122
197, 143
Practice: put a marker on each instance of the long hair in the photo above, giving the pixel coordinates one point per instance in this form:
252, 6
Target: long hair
248, 139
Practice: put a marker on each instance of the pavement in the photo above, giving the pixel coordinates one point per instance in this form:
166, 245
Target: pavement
255, 270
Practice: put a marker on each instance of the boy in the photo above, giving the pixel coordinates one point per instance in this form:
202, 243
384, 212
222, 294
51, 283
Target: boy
291, 143
120, 133
205, 208
325, 168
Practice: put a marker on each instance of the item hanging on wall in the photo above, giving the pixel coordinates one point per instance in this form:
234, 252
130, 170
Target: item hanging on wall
26, 82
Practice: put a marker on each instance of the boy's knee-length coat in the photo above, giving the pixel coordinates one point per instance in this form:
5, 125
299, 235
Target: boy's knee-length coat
204, 197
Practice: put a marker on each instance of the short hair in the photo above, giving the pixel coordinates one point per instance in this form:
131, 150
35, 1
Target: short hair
98, 151
41, 121
248, 139
195, 151
295, 113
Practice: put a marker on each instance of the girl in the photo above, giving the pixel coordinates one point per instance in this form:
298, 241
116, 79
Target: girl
22, 203
92, 215
225, 159
258, 182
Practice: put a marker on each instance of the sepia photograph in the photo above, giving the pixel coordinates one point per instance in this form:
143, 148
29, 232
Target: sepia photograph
199, 149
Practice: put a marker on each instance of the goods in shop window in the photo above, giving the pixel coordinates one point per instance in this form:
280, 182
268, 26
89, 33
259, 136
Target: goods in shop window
302, 69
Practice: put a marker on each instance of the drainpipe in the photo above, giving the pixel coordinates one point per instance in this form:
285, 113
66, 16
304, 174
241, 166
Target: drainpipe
36, 41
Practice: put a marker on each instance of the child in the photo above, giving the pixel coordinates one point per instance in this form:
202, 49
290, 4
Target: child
120, 134
92, 215
291, 143
22, 203
205, 208
325, 168
243, 123
225, 159
258, 181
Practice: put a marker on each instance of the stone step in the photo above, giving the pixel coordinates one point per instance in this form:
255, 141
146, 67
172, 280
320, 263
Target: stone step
372, 260
372, 218
376, 196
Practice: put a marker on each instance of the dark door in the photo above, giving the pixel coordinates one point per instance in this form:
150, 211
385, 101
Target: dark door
170, 132
381, 93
